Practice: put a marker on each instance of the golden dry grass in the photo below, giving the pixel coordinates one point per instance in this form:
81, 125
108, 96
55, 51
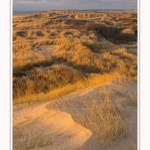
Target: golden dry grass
105, 114
93, 48
79, 48
40, 81
106, 121
92, 81
128, 31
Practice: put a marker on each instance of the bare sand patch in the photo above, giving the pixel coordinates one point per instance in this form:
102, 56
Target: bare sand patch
38, 128
133, 50
46, 50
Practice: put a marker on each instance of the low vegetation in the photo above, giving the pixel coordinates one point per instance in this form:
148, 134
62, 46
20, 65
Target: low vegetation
59, 52
105, 112
82, 50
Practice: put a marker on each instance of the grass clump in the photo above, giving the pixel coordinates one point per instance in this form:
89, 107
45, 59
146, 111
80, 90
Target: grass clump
104, 119
42, 81
82, 58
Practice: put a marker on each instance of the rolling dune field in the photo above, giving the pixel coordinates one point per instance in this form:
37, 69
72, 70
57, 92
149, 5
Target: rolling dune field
75, 80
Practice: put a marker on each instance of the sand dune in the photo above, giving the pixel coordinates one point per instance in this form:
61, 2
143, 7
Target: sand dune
47, 129
58, 125
75, 81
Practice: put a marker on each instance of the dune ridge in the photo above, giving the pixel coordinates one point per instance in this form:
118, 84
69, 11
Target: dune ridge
69, 123
33, 125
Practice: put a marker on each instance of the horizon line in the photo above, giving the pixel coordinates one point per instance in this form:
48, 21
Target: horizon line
70, 10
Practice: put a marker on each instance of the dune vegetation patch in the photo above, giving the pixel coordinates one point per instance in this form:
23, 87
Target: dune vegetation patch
85, 43
42, 81
108, 111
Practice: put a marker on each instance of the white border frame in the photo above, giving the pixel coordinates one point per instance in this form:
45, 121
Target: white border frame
5, 75
6, 13
11, 74
144, 62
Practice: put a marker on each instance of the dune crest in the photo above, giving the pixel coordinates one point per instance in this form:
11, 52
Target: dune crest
39, 128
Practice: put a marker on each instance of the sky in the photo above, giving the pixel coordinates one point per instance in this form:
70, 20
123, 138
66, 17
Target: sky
47, 5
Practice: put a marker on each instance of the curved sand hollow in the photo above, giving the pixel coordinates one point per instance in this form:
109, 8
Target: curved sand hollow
47, 129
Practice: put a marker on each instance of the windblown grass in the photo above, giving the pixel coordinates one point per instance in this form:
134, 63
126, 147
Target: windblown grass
105, 120
40, 81
83, 62
93, 81
82, 49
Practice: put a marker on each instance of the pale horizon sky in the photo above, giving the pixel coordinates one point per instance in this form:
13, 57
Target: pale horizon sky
47, 5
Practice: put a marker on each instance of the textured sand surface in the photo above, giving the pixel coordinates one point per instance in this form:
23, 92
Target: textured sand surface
47, 129
56, 125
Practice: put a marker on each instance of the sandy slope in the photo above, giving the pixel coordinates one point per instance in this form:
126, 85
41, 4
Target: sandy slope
77, 104
47, 129
57, 125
